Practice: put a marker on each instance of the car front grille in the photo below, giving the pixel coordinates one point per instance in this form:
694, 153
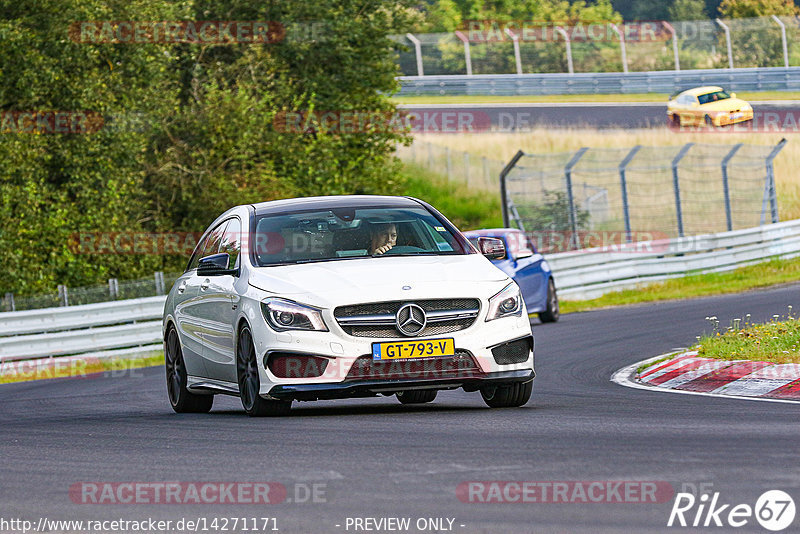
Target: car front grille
377, 319
461, 365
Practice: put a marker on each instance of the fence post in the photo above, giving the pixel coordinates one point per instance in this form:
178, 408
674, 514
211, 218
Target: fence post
564, 34
624, 186
773, 199
783, 40
113, 288
677, 187
725, 189
517, 58
418, 52
10, 301
503, 190
467, 57
63, 295
449, 163
669, 27
159, 276
573, 218
728, 41
621, 47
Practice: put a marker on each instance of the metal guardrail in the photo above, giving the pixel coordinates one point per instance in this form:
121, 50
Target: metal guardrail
588, 273
591, 273
668, 82
75, 317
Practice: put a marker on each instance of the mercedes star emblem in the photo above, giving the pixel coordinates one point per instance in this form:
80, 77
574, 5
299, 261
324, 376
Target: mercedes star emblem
410, 319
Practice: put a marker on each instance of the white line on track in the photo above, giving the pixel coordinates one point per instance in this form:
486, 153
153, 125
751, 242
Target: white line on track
782, 103
623, 378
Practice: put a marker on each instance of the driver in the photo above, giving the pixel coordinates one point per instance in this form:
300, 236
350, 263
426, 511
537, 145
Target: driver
382, 237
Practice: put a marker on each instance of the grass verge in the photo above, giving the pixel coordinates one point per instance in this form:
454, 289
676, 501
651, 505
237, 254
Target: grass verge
642, 97
28, 370
776, 341
465, 208
762, 275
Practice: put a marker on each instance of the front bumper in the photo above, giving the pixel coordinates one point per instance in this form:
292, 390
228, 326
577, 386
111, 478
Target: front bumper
371, 388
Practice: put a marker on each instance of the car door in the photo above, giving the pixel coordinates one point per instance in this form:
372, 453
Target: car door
219, 302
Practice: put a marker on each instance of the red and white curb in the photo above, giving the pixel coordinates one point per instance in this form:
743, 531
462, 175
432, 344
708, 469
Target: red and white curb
686, 372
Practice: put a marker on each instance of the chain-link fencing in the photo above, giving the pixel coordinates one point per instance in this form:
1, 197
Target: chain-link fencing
569, 200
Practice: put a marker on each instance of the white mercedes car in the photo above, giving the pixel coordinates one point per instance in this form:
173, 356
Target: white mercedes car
340, 297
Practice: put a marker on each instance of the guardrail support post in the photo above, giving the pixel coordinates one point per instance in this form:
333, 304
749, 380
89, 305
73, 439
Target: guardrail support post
669, 27
564, 34
773, 199
783, 40
624, 188
418, 52
517, 58
725, 189
63, 295
727, 41
503, 190
621, 47
573, 216
467, 56
677, 187
10, 302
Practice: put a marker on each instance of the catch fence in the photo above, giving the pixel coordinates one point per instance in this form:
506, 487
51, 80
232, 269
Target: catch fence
574, 200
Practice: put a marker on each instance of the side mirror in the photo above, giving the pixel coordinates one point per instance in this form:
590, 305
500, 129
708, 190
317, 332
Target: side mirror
214, 265
733, 95
492, 248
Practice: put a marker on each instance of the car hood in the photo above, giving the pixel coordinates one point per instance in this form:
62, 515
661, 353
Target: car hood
384, 278
728, 104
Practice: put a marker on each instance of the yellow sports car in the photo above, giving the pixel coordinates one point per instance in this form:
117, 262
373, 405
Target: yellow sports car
710, 105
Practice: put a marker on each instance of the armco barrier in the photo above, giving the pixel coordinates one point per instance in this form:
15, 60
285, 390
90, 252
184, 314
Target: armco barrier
667, 82
587, 273
590, 273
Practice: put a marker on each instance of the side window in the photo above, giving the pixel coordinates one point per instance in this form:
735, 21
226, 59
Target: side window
209, 243
231, 242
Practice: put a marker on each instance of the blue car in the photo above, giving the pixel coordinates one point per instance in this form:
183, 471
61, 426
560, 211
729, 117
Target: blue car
529, 270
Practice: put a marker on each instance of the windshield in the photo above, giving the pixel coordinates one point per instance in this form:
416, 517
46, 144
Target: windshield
346, 233
713, 97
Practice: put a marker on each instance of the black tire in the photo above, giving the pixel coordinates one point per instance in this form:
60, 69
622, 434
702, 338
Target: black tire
180, 398
507, 396
416, 397
675, 121
709, 121
551, 313
250, 382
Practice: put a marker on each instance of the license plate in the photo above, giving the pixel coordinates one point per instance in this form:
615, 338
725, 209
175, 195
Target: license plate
403, 350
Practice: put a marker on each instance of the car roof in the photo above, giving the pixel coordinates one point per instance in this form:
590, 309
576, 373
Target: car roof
697, 91
333, 202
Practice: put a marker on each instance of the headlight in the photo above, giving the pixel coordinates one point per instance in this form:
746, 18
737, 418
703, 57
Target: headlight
284, 315
506, 303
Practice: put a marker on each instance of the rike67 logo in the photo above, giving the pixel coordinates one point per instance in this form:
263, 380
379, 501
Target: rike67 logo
774, 510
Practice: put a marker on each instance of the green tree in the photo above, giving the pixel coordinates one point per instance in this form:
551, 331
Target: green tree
687, 10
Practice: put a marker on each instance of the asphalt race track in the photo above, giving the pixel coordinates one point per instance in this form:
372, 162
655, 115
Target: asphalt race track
377, 458
516, 117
